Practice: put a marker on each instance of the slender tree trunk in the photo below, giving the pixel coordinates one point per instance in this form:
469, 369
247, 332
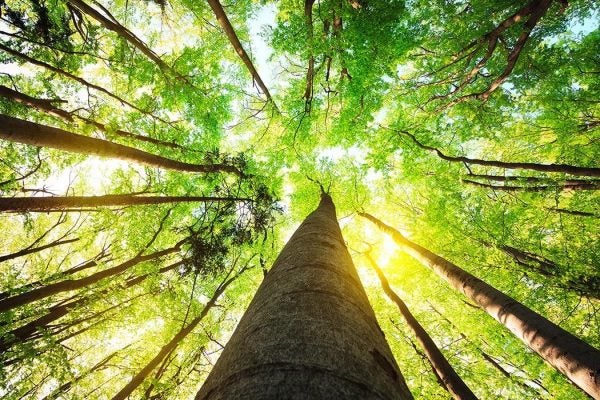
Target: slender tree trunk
560, 168
448, 377
235, 42
78, 268
27, 332
108, 21
138, 378
63, 203
47, 106
68, 285
310, 331
64, 388
71, 76
539, 188
583, 285
32, 250
21, 131
576, 359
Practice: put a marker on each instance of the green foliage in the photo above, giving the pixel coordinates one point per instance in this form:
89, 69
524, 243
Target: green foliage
381, 69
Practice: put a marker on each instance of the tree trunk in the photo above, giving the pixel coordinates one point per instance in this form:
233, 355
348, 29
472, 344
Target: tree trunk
68, 285
448, 377
32, 250
235, 42
61, 274
583, 185
138, 378
310, 331
27, 331
561, 168
576, 359
63, 203
111, 24
71, 76
21, 131
47, 106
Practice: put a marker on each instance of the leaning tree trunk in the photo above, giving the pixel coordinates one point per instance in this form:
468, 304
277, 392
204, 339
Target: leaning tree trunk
68, 285
576, 359
21, 131
559, 168
66, 203
47, 106
310, 331
168, 348
235, 42
448, 377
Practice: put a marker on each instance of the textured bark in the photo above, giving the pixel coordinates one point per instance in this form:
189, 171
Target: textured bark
32, 250
309, 332
576, 359
138, 378
68, 285
235, 42
560, 168
21, 131
47, 106
54, 203
448, 377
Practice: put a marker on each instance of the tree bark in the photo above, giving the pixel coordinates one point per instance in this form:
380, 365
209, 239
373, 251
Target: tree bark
21, 131
63, 203
235, 42
576, 359
138, 378
310, 331
449, 379
560, 168
74, 284
47, 106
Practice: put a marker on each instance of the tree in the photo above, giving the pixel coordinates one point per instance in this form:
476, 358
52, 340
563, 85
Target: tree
473, 126
567, 353
309, 326
440, 365
22, 131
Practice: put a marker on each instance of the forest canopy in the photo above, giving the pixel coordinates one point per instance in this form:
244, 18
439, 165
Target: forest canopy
156, 156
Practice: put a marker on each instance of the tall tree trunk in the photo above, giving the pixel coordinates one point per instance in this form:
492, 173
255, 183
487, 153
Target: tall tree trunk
561, 168
310, 330
108, 21
576, 359
47, 106
68, 285
63, 203
90, 263
583, 185
448, 377
71, 76
138, 378
27, 332
21, 131
235, 42
32, 250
